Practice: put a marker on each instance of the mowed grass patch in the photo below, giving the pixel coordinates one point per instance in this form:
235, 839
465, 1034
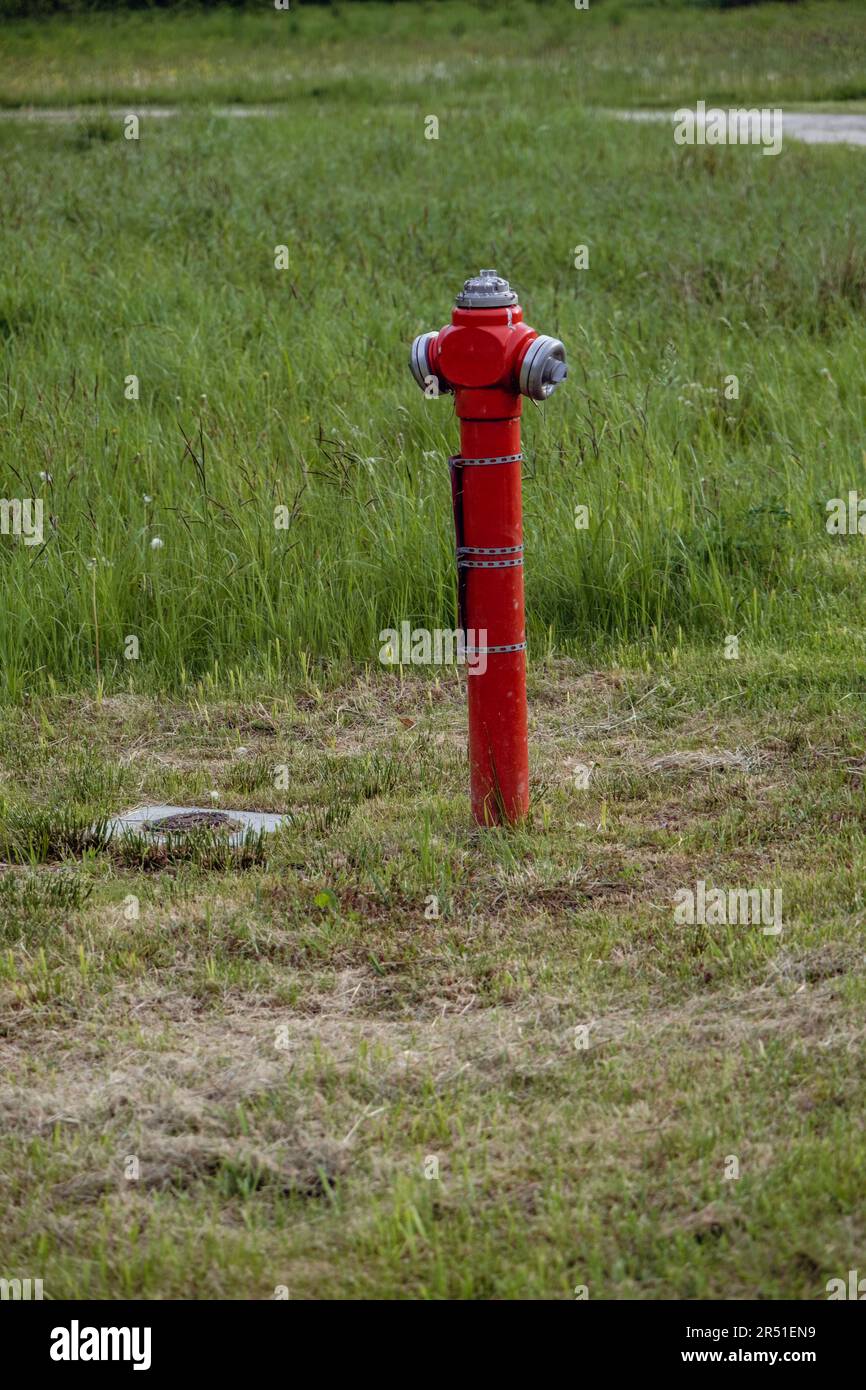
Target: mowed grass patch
282, 1053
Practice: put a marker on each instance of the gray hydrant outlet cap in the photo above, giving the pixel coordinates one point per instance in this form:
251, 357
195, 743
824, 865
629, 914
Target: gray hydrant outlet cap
543, 368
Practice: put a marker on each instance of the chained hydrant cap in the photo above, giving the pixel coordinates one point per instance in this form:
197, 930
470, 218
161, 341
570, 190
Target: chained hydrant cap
486, 290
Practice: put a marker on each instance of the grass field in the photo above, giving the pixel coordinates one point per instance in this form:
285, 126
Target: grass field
618, 52
283, 1046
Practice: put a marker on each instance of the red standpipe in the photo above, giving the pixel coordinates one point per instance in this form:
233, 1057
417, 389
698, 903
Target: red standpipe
489, 358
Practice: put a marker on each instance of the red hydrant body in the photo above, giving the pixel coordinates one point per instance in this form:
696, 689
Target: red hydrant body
488, 358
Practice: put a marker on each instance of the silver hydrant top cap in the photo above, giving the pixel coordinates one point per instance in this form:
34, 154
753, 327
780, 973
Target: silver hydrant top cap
487, 290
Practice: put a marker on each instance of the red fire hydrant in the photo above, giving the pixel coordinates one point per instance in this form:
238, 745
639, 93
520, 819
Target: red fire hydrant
488, 358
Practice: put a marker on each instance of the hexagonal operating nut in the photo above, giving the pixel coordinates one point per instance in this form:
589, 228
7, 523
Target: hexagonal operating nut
486, 290
543, 368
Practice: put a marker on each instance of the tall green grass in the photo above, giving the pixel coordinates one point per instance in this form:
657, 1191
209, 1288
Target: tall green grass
261, 387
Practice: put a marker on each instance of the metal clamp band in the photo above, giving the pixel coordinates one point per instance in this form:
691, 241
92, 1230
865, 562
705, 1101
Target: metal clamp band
457, 461
515, 647
490, 550
489, 564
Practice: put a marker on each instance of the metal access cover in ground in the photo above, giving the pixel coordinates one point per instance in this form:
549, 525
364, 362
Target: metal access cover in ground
158, 822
